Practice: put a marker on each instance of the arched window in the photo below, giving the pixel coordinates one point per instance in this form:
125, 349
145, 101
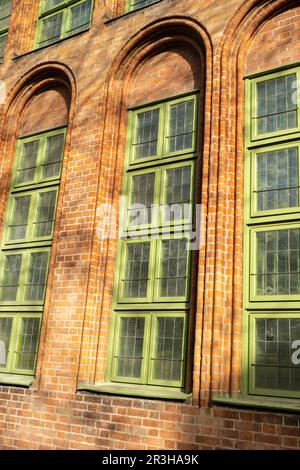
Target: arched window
28, 230
152, 292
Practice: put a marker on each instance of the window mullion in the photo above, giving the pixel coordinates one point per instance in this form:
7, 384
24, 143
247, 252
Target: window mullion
40, 159
31, 215
13, 342
65, 21
23, 276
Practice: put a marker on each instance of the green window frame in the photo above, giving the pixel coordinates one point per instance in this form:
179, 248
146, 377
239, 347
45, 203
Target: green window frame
153, 267
59, 19
5, 14
272, 234
26, 247
132, 5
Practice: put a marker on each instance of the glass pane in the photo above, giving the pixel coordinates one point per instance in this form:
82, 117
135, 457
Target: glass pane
51, 29
177, 194
37, 273
19, 222
26, 171
131, 341
80, 16
146, 134
181, 126
277, 361
276, 110
53, 157
278, 262
27, 343
277, 179
5, 12
141, 199
5, 331
137, 266
52, 4
168, 354
3, 39
173, 268
45, 214
10, 278
135, 4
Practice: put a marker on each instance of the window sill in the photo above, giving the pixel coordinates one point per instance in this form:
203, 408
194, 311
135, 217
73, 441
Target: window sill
37, 49
283, 404
143, 391
128, 13
16, 380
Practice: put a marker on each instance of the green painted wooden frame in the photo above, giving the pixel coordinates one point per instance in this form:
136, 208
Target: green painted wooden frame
22, 308
13, 342
159, 200
149, 348
133, 7
63, 8
30, 237
153, 306
253, 390
24, 273
4, 29
256, 221
254, 135
163, 131
288, 211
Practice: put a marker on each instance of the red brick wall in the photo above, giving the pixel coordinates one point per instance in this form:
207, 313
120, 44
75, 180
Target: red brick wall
105, 69
47, 110
168, 73
277, 43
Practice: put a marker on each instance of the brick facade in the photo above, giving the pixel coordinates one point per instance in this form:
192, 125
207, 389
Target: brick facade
169, 47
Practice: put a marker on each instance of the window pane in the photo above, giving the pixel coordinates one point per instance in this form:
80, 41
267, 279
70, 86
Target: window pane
45, 214
27, 343
131, 341
5, 331
10, 278
53, 157
26, 171
146, 134
276, 365
173, 268
37, 273
51, 29
168, 354
52, 4
3, 39
80, 16
5, 12
181, 126
137, 266
278, 262
19, 222
177, 194
135, 4
141, 199
277, 179
276, 110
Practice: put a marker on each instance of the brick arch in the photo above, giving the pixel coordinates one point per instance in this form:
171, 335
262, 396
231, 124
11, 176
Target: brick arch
155, 38
222, 351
